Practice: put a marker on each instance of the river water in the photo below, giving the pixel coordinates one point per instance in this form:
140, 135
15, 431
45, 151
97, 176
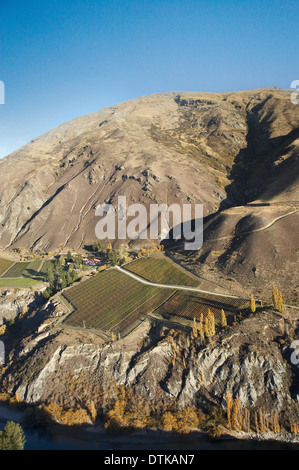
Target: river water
97, 438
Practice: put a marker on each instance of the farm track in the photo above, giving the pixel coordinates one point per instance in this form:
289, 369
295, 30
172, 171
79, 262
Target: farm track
177, 287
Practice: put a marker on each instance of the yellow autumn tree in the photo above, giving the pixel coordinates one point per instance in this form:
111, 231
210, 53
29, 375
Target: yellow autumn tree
93, 411
169, 421
252, 304
275, 426
201, 328
229, 405
280, 302
212, 323
294, 429
187, 420
223, 319
274, 296
2, 329
194, 328
236, 415
209, 328
206, 327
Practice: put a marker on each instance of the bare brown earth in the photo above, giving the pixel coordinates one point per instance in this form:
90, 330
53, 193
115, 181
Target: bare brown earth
236, 153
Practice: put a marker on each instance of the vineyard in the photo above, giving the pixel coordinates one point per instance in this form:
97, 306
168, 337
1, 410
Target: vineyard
161, 271
115, 302
111, 301
5, 264
25, 269
191, 305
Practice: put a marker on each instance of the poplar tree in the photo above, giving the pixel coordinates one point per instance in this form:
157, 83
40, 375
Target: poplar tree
229, 403
274, 296
280, 302
252, 304
201, 328
211, 322
236, 415
223, 319
206, 327
194, 329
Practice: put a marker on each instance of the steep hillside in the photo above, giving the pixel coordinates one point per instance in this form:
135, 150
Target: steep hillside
222, 150
172, 147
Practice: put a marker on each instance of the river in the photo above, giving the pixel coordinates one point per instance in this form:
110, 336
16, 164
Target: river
97, 438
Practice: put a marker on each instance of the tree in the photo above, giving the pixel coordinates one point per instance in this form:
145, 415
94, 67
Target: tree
223, 319
96, 247
229, 409
169, 421
112, 255
12, 438
58, 263
280, 302
187, 420
252, 304
206, 328
93, 410
50, 274
274, 296
2, 329
69, 256
194, 329
236, 415
210, 324
47, 293
113, 337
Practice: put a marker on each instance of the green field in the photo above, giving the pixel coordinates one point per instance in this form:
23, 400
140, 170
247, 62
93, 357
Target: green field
33, 269
110, 300
161, 271
47, 264
26, 269
5, 264
18, 282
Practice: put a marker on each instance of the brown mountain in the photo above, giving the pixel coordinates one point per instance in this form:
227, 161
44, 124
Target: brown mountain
236, 153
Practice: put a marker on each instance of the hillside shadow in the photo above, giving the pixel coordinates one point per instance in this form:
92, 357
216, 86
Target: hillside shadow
254, 165
170, 242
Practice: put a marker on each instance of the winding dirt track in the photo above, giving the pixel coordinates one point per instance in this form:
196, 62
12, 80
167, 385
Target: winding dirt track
256, 229
167, 286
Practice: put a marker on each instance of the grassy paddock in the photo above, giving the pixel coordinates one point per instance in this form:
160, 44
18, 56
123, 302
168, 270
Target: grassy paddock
5, 264
23, 268
19, 282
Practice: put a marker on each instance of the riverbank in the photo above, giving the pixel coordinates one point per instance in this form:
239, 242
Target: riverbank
86, 437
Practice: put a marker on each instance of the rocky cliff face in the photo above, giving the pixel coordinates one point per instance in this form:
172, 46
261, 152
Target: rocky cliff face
250, 359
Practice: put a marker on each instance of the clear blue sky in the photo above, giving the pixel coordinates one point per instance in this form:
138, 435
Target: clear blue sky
60, 59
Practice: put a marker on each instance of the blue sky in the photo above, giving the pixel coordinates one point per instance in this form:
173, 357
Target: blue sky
60, 59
